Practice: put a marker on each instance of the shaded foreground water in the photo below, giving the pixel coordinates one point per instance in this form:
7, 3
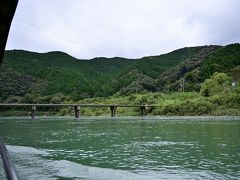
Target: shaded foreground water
102, 148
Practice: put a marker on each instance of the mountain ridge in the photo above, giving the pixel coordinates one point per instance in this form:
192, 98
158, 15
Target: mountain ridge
114, 57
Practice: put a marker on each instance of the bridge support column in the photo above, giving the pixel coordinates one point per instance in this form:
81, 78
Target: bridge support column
113, 111
143, 110
34, 108
77, 111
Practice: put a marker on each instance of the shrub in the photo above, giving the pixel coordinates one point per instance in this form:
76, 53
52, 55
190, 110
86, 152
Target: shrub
188, 107
219, 82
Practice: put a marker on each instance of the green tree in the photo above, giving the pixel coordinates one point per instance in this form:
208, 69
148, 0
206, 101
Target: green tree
219, 82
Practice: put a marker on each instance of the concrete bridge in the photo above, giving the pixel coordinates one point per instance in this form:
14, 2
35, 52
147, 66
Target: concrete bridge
77, 107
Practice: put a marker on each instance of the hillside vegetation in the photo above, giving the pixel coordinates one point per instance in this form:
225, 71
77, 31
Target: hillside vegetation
56, 77
217, 97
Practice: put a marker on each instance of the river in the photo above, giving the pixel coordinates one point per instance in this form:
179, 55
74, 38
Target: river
124, 148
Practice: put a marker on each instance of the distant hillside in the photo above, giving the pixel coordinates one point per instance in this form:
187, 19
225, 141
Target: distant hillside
29, 74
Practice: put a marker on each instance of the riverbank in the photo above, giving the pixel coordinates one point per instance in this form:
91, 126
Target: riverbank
172, 104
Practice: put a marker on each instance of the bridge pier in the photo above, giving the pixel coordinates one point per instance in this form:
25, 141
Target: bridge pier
143, 110
76, 107
113, 111
34, 108
77, 111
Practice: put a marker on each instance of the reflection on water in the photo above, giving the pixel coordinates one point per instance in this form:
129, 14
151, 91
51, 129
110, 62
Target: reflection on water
164, 148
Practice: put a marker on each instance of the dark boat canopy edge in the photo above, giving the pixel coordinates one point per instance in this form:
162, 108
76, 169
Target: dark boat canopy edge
7, 10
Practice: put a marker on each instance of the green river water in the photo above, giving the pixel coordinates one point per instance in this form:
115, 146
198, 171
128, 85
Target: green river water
133, 148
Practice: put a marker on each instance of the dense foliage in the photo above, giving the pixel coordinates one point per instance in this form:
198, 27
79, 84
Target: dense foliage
219, 82
56, 77
178, 103
226, 59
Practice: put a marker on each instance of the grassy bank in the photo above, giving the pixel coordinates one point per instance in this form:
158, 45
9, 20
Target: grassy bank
188, 103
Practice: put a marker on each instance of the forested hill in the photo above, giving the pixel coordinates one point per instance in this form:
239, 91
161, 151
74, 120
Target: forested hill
27, 75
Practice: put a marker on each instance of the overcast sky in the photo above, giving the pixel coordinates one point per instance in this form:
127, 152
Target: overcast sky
125, 28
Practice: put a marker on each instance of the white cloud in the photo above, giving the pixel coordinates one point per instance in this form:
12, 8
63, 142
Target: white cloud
128, 28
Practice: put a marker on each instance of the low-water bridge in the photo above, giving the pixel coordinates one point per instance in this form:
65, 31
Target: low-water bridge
76, 107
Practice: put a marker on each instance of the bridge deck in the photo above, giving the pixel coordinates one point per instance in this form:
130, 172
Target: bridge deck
73, 105
77, 107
